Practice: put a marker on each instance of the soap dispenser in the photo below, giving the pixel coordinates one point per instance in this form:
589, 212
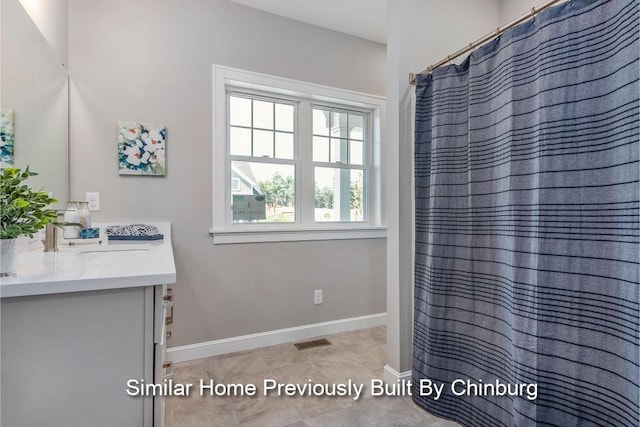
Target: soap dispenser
76, 217
84, 215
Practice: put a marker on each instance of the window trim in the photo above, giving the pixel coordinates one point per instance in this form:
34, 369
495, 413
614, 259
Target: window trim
226, 79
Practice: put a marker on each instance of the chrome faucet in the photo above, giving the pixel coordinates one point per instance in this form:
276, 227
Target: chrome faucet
50, 241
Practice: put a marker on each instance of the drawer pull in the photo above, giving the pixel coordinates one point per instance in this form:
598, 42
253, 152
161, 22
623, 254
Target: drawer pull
168, 367
169, 319
168, 304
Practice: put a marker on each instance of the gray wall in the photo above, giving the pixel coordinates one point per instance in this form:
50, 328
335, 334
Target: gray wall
34, 85
513, 9
50, 16
150, 61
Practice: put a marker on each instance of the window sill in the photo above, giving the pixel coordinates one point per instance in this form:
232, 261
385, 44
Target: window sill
224, 237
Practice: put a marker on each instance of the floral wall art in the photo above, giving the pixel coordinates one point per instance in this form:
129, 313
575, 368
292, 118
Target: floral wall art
6, 138
141, 148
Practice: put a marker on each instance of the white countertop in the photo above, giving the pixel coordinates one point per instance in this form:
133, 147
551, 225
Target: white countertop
89, 266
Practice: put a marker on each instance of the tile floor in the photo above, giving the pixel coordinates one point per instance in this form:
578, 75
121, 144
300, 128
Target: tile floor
358, 356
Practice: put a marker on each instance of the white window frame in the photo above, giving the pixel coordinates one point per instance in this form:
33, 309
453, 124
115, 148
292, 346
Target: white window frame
304, 228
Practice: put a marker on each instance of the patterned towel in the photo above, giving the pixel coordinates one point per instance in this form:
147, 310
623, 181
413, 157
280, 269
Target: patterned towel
133, 232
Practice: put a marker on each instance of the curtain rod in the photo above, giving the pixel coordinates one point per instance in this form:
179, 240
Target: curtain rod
483, 40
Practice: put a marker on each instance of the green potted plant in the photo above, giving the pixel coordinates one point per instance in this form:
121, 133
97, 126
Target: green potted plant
23, 211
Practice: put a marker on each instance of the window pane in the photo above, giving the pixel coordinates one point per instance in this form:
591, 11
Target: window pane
274, 182
357, 200
240, 141
320, 122
339, 150
339, 124
339, 194
320, 149
262, 143
284, 145
355, 153
284, 117
239, 111
262, 114
356, 122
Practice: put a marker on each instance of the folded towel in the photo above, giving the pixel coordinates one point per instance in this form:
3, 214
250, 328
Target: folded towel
133, 232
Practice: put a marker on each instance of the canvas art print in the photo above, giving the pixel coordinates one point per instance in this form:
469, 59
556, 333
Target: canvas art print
141, 148
6, 138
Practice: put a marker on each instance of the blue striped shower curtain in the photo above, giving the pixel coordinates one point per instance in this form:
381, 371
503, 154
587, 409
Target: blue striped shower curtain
527, 227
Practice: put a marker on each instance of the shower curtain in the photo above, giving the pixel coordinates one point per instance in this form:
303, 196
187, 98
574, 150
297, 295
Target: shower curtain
527, 227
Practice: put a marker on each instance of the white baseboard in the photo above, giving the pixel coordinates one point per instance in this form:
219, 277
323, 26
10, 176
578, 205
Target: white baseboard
390, 375
248, 342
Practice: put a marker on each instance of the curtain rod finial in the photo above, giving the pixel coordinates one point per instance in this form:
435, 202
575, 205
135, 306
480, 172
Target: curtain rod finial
412, 79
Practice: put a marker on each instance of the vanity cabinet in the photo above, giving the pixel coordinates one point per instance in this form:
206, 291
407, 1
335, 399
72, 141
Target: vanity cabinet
77, 325
66, 358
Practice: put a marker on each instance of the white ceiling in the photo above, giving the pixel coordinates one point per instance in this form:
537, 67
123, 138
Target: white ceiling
366, 19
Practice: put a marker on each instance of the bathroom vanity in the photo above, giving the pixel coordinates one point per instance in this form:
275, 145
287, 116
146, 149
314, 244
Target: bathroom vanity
77, 325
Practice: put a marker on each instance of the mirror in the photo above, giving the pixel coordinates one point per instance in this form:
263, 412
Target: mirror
34, 86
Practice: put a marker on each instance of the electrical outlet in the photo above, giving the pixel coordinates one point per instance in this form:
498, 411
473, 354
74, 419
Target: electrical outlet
317, 296
94, 201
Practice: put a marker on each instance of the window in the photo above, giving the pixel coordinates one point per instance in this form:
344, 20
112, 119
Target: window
261, 153
339, 165
294, 161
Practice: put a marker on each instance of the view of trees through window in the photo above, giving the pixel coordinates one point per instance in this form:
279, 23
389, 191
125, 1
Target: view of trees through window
279, 193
